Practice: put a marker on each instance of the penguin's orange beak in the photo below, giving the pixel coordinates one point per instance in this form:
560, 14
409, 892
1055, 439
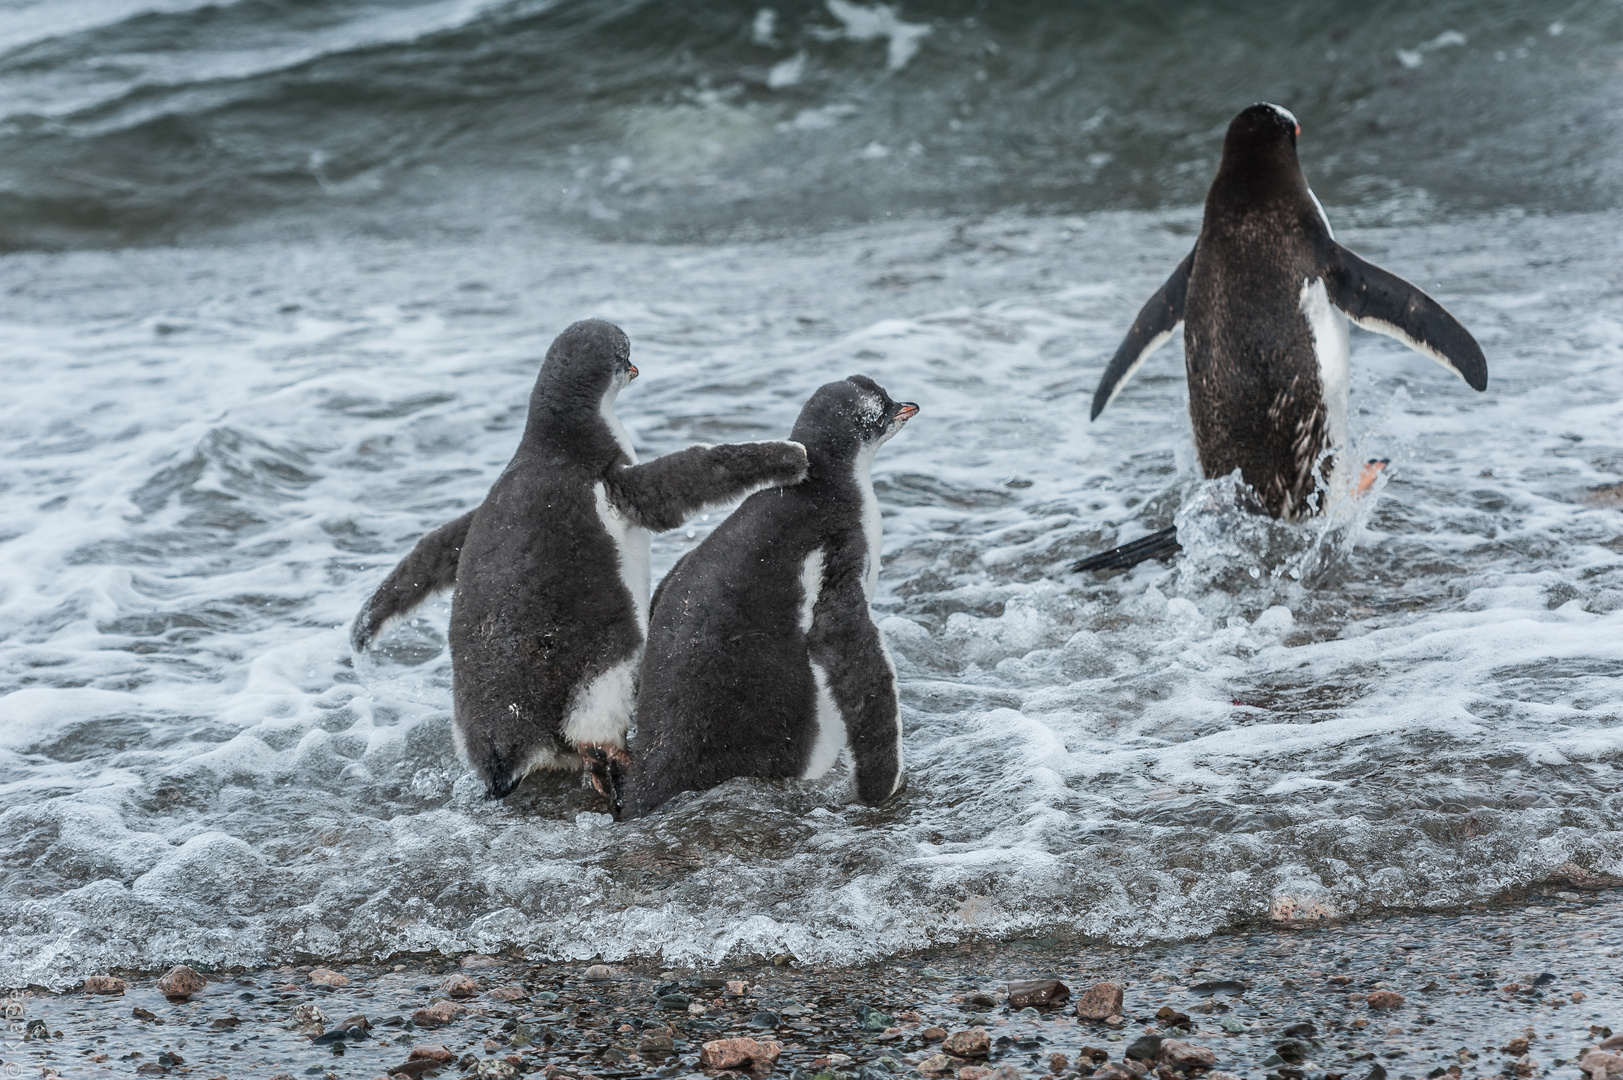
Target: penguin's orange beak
1298, 131
633, 368
906, 410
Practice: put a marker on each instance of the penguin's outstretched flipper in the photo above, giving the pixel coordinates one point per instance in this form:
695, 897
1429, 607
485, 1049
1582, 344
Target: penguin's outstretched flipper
663, 493
1157, 545
851, 663
1156, 320
1383, 302
429, 568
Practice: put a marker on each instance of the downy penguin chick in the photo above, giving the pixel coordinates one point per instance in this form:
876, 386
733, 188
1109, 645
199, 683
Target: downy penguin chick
763, 658
550, 609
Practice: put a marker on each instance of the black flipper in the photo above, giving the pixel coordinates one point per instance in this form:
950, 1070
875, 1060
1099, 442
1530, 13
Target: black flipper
430, 568
1156, 320
1385, 303
1157, 545
665, 492
845, 643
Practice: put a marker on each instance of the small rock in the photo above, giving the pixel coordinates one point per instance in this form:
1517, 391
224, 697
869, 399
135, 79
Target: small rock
974, 1072
225, 1023
308, 1015
1578, 996
1100, 1002
180, 981
737, 987
475, 961
933, 1034
494, 1069
1219, 1074
968, 1044
1170, 1017
1111, 1071
1037, 993
765, 1020
1143, 1048
459, 986
143, 1014
359, 1020
1385, 1000
598, 973
1599, 1065
1058, 1063
1515, 1047
430, 1052
936, 1065
104, 984
656, 1046
1615, 1042
695, 1008
1184, 1056
731, 1053
438, 1014
507, 993
675, 1002
872, 1019
327, 977
1091, 1055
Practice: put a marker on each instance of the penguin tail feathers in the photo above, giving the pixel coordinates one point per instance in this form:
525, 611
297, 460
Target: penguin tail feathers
429, 569
1157, 545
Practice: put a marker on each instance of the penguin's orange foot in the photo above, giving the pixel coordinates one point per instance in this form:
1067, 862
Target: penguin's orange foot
605, 766
1366, 476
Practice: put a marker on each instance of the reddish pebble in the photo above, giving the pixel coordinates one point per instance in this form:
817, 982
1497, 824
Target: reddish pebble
731, 1053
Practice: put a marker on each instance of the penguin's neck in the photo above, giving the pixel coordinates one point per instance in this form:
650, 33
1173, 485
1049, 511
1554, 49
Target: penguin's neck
578, 432
862, 475
618, 430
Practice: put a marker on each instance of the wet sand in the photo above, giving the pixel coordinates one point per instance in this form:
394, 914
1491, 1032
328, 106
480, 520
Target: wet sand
1283, 1002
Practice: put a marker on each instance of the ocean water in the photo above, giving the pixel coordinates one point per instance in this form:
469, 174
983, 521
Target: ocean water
234, 396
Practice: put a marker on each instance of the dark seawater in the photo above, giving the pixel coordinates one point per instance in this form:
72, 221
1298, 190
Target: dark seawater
128, 121
276, 283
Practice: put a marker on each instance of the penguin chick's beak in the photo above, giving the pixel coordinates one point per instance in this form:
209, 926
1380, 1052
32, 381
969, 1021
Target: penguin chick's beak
905, 411
633, 369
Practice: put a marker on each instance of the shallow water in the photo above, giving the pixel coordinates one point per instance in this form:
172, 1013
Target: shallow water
210, 455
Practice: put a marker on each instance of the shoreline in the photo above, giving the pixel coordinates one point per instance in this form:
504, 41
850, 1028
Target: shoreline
1452, 991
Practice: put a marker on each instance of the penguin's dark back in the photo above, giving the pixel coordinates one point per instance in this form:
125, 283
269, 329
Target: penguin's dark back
726, 646
516, 583
1254, 386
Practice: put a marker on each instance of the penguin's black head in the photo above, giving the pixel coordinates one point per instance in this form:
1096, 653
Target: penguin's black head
850, 417
1259, 162
590, 359
1262, 125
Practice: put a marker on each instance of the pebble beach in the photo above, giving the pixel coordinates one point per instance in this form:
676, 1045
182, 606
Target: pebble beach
1524, 991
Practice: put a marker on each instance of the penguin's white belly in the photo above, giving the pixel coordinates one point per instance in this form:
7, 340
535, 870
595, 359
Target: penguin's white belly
831, 733
1332, 352
631, 542
600, 710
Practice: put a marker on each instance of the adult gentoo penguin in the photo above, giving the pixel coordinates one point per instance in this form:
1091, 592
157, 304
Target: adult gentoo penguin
763, 658
1264, 297
551, 571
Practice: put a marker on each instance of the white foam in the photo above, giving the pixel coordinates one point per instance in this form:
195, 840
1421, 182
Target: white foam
194, 517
